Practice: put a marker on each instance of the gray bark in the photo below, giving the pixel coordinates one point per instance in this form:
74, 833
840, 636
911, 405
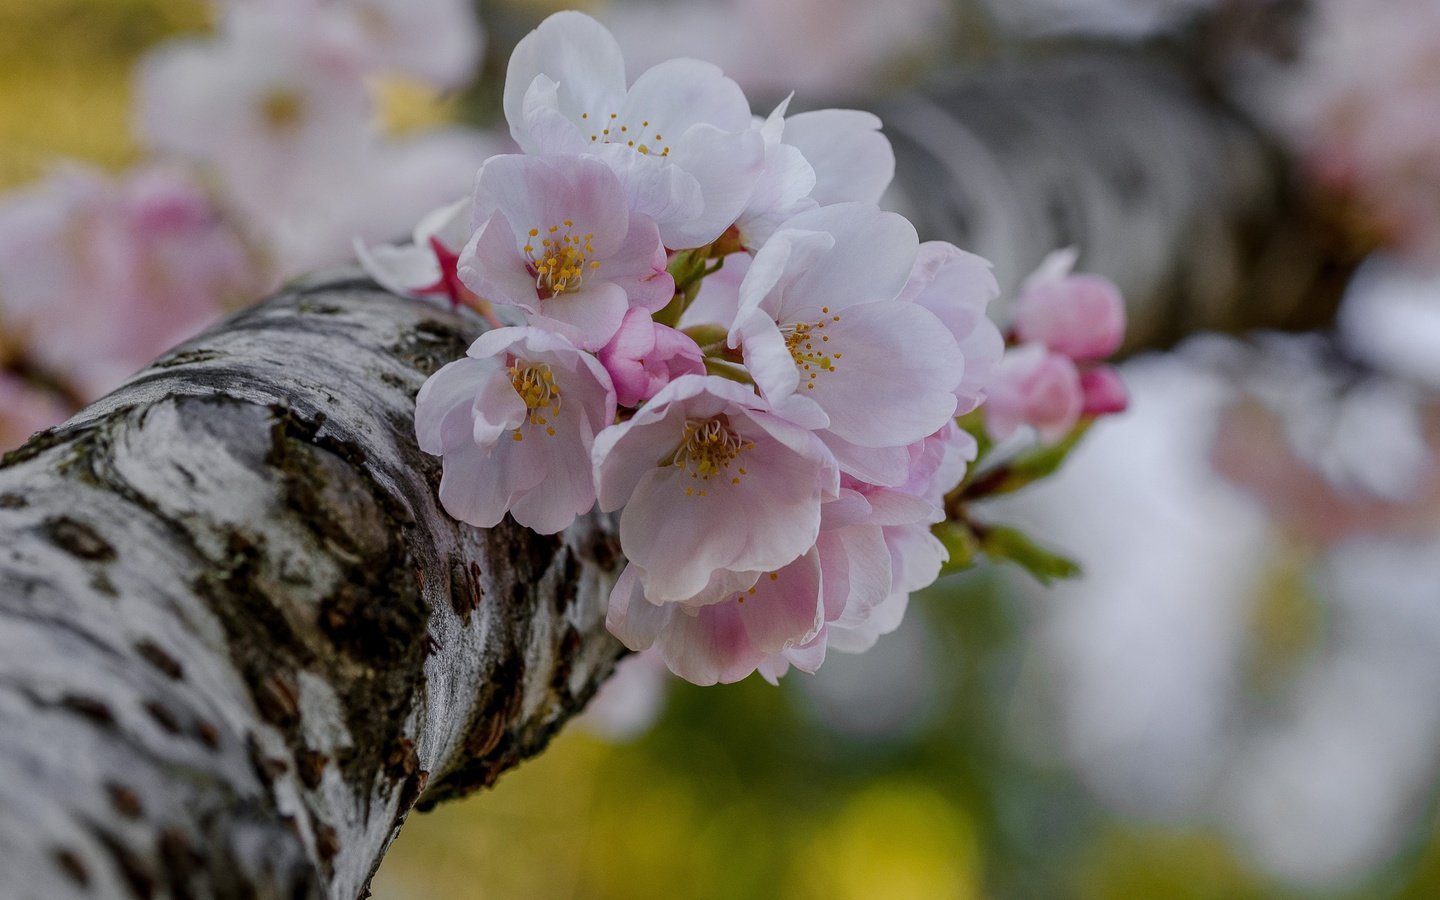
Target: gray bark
239, 639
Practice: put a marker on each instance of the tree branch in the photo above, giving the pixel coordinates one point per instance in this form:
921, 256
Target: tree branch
239, 639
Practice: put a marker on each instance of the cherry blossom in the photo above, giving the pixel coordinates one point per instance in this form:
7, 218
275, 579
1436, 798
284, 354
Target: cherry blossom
428, 265
787, 361
828, 344
680, 138
727, 640
514, 422
957, 287
556, 238
261, 103
711, 480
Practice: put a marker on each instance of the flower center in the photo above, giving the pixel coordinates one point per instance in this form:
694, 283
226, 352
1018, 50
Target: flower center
281, 109
537, 388
610, 130
560, 263
707, 448
740, 598
806, 342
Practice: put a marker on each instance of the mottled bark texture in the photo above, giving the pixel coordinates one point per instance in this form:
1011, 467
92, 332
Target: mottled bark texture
1133, 159
239, 638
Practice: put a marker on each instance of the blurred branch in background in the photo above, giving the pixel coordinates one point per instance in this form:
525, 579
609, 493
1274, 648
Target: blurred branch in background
1127, 156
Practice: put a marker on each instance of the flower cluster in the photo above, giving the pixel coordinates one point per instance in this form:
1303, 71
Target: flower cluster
777, 438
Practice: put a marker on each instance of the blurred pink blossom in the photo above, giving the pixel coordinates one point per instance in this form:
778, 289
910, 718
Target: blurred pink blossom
261, 103
1361, 106
630, 700
97, 277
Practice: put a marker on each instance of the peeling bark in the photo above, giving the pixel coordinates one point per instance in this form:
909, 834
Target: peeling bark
239, 639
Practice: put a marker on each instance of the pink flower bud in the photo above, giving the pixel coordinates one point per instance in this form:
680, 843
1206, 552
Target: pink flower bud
644, 356
1081, 316
1034, 387
1104, 390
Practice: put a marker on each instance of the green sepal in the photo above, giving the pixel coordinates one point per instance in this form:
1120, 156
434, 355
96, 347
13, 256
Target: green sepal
960, 542
1025, 469
1001, 542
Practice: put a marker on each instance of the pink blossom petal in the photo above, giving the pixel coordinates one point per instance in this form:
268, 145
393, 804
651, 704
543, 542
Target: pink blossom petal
677, 94
588, 317
399, 270
784, 259
893, 381
442, 408
783, 608
477, 485
576, 52
870, 260
726, 166
540, 193
856, 565
490, 266
851, 159
703, 645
